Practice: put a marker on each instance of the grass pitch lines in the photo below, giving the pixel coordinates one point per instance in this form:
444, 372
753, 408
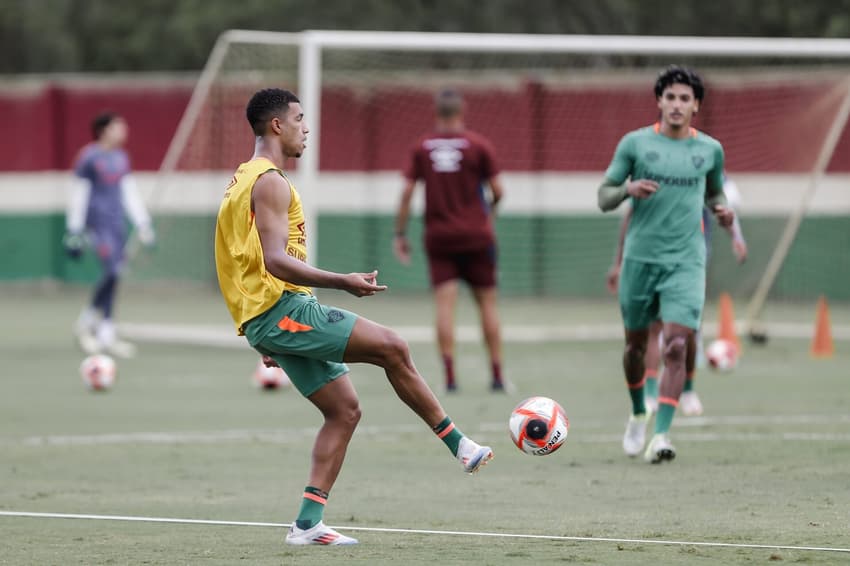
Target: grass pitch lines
429, 532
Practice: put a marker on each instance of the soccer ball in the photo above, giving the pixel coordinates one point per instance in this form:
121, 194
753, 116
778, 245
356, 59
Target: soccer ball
269, 378
98, 372
538, 426
722, 355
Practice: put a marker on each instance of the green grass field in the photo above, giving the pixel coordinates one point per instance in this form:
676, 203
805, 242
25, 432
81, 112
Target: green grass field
183, 434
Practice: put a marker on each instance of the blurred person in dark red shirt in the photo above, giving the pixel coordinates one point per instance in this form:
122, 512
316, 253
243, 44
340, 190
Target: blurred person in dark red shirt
457, 167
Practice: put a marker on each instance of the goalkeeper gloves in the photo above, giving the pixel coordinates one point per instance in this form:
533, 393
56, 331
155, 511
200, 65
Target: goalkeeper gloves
74, 243
147, 236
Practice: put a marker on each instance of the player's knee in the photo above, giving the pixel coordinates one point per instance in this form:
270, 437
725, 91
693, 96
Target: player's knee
351, 415
346, 413
635, 351
395, 349
675, 349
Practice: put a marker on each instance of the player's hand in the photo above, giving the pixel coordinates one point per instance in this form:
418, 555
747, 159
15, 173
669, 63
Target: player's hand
725, 215
612, 279
269, 362
147, 236
642, 188
363, 284
74, 244
401, 248
739, 248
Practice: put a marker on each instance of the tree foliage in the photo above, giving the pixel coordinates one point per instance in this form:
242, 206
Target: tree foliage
147, 35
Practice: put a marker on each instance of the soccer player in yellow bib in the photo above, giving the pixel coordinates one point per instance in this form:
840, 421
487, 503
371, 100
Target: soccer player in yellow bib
261, 261
668, 172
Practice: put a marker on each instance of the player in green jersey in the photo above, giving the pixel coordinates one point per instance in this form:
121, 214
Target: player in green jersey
669, 172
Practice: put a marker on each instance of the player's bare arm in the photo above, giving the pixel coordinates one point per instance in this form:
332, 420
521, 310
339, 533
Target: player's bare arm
401, 245
612, 278
497, 189
270, 199
715, 199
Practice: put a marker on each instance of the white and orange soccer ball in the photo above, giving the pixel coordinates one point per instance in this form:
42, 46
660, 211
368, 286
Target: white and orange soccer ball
722, 355
98, 372
538, 426
270, 377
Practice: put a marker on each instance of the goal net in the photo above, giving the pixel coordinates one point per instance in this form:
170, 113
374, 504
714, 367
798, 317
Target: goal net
554, 108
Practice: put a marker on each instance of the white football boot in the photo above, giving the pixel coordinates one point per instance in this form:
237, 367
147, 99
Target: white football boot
659, 450
472, 455
319, 534
635, 436
111, 344
84, 330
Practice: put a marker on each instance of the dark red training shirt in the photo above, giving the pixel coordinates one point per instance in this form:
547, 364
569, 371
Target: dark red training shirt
455, 168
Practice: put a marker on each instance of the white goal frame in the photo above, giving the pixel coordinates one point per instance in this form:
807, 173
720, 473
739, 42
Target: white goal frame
311, 45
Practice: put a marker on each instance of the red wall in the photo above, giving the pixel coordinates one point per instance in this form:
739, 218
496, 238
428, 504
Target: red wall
533, 128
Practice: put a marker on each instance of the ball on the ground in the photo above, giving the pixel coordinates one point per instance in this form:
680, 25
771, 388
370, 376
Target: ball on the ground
538, 426
722, 355
270, 378
98, 372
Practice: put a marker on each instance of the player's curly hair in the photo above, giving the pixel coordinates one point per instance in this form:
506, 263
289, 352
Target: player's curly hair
674, 74
101, 121
265, 105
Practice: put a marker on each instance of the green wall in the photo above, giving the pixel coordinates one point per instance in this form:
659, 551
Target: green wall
547, 255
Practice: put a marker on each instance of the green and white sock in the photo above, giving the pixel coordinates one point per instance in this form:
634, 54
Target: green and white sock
312, 508
664, 418
449, 434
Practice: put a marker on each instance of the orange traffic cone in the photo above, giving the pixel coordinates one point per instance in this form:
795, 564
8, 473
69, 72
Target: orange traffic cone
726, 321
822, 346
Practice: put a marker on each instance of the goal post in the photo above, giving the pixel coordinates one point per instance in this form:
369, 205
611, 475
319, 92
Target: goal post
554, 105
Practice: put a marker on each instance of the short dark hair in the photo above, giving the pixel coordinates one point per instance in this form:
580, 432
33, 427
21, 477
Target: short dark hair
265, 105
101, 121
448, 103
674, 74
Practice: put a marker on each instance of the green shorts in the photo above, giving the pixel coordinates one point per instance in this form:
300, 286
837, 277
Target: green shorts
307, 339
651, 291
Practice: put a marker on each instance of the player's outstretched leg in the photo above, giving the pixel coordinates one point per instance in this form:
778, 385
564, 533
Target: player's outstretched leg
340, 408
375, 344
633, 366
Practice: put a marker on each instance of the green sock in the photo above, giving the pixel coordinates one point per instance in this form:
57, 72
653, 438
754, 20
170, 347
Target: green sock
664, 418
689, 384
650, 388
636, 393
449, 434
312, 508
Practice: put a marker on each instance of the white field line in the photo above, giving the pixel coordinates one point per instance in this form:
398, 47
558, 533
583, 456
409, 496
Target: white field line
171, 520
221, 335
578, 433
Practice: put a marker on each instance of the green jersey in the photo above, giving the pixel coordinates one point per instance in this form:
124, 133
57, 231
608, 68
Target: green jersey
667, 227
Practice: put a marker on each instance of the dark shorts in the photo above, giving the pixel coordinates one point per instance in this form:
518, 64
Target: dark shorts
478, 267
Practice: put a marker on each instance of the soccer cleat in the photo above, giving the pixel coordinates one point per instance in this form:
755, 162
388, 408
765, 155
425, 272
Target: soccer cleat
120, 349
635, 436
659, 450
472, 455
87, 341
689, 404
503, 386
318, 534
